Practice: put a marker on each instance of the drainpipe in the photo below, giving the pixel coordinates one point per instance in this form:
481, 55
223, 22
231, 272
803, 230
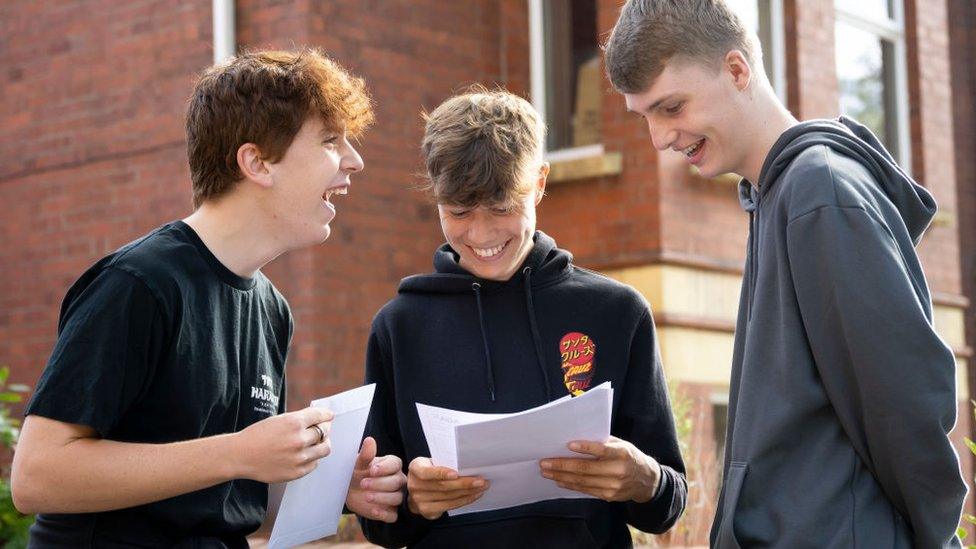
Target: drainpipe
223, 30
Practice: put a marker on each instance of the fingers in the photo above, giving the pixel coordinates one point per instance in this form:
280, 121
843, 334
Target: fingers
381, 513
316, 433
387, 483
583, 466
319, 450
366, 453
434, 509
311, 415
390, 499
385, 465
462, 483
424, 469
596, 449
576, 482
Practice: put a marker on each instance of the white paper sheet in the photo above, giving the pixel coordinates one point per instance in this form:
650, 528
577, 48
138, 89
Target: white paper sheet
311, 506
506, 449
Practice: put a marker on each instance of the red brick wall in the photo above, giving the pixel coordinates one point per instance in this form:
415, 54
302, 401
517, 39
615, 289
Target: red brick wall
933, 151
962, 34
92, 152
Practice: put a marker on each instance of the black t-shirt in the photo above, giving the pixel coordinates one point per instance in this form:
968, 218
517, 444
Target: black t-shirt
159, 342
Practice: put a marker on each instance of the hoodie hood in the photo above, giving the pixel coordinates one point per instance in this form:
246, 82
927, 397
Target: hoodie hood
548, 265
545, 265
914, 203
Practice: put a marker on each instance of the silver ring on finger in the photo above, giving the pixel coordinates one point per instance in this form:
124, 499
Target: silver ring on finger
321, 433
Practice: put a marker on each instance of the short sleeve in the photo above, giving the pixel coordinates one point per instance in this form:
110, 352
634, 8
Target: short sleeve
111, 336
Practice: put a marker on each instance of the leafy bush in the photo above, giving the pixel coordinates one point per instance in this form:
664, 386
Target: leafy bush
13, 524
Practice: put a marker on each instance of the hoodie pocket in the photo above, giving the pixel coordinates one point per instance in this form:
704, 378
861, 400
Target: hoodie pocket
726, 532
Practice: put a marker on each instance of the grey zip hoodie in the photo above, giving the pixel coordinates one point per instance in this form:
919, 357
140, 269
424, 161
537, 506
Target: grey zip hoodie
842, 394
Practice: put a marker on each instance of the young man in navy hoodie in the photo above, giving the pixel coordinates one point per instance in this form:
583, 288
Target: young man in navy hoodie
842, 393
507, 323
160, 416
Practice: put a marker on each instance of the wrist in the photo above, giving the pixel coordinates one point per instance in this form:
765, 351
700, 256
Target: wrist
650, 479
233, 466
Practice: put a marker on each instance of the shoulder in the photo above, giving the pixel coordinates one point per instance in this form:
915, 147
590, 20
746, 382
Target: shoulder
605, 291
821, 177
159, 259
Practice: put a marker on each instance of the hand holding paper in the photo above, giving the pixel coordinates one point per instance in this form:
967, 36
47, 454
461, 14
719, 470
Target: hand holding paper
620, 472
434, 490
311, 505
283, 447
505, 449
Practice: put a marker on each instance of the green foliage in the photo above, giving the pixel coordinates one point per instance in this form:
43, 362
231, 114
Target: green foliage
13, 524
962, 532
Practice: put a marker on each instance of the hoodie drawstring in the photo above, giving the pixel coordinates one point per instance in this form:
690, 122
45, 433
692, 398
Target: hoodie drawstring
484, 337
536, 339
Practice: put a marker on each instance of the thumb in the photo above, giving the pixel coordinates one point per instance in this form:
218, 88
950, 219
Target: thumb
366, 453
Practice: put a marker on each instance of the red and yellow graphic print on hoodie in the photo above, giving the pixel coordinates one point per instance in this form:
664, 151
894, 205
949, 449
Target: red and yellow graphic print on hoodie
454, 340
577, 352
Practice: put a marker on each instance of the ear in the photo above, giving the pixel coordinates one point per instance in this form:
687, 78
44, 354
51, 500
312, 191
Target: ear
739, 69
540, 184
253, 166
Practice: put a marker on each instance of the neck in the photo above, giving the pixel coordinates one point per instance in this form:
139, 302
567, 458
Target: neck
236, 234
767, 126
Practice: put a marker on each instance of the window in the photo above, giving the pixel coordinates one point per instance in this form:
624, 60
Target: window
567, 79
871, 72
765, 18
720, 424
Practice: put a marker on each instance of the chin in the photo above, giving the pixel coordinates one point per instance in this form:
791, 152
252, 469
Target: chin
316, 236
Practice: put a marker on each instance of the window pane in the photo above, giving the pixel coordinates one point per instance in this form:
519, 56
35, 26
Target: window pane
865, 74
573, 77
757, 16
875, 9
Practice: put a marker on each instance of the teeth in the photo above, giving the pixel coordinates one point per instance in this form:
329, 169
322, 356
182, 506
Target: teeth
488, 252
340, 190
691, 150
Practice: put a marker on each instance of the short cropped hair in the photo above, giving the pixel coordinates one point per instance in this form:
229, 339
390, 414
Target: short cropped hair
481, 147
264, 97
650, 33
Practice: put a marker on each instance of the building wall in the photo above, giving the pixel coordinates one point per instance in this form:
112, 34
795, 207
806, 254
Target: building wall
92, 155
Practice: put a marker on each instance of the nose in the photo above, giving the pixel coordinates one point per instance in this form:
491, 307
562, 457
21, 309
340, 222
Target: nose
481, 230
352, 162
661, 137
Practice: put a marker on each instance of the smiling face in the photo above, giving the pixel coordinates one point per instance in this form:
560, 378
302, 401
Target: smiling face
695, 110
492, 241
314, 169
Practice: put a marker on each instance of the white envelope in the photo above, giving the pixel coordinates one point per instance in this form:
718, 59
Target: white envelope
312, 505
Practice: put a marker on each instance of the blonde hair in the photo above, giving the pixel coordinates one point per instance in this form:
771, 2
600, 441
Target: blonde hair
481, 147
650, 33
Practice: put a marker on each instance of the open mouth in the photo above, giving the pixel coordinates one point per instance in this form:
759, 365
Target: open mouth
488, 254
329, 193
693, 150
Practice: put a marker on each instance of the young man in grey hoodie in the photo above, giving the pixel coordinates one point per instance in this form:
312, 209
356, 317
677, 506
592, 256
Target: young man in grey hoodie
842, 394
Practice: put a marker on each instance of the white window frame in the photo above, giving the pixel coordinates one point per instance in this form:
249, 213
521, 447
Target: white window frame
537, 70
892, 30
778, 56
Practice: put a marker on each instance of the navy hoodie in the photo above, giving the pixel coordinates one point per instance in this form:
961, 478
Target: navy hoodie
842, 394
453, 340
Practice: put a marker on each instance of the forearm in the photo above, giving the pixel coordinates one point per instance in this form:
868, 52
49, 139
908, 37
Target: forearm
91, 475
